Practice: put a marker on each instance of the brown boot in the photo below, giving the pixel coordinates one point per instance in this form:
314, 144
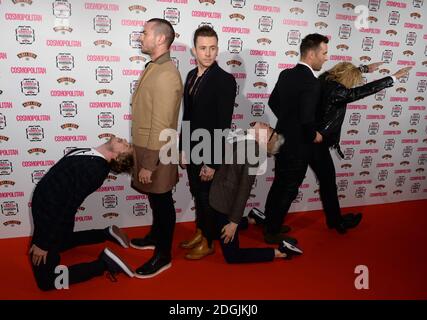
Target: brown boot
190, 244
200, 251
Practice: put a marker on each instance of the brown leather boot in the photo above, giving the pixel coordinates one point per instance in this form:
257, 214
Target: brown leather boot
190, 244
200, 251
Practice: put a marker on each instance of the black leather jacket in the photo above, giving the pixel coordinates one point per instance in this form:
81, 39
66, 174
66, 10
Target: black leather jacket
331, 111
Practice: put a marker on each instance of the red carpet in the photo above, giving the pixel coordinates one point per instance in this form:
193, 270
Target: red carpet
390, 241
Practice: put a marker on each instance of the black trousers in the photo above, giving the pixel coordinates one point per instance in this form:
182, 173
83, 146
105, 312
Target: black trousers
232, 251
45, 273
164, 219
290, 168
205, 216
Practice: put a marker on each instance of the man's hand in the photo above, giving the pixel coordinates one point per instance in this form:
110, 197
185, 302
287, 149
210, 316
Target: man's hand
206, 173
144, 176
227, 233
374, 66
38, 255
402, 72
182, 160
318, 138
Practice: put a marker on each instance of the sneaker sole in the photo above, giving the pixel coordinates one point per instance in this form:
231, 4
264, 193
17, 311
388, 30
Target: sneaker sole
142, 248
154, 274
123, 242
292, 247
127, 269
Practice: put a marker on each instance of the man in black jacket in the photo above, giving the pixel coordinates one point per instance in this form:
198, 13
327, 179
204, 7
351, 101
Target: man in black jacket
340, 85
55, 202
293, 101
209, 96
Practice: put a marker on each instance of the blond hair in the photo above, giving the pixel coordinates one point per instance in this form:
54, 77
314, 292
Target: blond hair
346, 74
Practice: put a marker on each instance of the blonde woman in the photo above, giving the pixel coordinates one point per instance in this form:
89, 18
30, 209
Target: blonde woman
340, 85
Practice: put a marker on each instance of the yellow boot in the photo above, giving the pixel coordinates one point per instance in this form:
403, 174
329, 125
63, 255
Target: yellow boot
190, 244
200, 251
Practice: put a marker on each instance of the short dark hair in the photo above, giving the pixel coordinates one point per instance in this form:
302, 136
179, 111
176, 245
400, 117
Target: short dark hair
164, 27
311, 42
204, 31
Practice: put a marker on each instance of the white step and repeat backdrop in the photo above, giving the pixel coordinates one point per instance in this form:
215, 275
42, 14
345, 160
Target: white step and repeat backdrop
68, 70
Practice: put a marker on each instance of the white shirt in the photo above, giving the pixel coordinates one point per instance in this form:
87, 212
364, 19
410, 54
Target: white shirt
305, 64
90, 152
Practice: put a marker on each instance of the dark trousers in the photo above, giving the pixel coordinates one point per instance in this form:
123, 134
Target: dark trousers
164, 219
290, 168
232, 251
205, 217
45, 273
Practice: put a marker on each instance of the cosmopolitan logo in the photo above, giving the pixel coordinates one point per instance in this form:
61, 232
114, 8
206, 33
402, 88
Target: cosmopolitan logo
340, 58
345, 174
389, 43
70, 138
3, 55
375, 116
110, 188
413, 25
396, 4
345, 17
9, 152
262, 53
299, 23
421, 74
137, 197
63, 43
178, 48
239, 75
370, 30
357, 107
23, 17
257, 95
392, 132
412, 141
236, 30
378, 194
133, 23
258, 7
286, 65
38, 163
103, 58
17, 194
402, 99
358, 182
66, 93
382, 165
131, 72
406, 63
206, 14
6, 105
101, 6
107, 105
83, 218
42, 117
350, 142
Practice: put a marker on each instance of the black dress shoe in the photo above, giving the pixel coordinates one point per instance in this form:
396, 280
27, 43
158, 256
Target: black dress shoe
271, 238
289, 249
348, 221
157, 264
146, 243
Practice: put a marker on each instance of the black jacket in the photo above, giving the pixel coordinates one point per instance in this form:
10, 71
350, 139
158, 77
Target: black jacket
331, 112
211, 107
59, 194
293, 101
